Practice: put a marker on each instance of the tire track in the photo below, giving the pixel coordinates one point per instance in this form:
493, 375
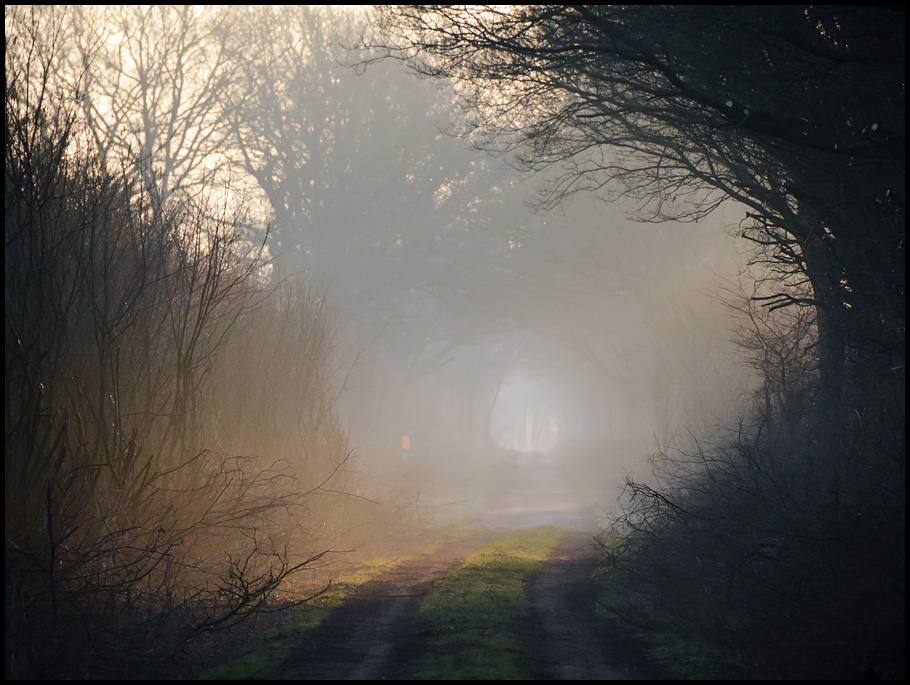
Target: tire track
573, 642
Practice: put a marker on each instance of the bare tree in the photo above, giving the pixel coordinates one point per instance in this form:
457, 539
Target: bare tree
149, 80
797, 113
348, 162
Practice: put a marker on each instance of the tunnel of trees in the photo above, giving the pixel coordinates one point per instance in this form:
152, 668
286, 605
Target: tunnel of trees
242, 260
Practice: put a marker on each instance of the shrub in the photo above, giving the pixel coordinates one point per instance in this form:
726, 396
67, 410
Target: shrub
778, 543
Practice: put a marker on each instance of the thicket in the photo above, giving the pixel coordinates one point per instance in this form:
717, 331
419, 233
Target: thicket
777, 543
172, 455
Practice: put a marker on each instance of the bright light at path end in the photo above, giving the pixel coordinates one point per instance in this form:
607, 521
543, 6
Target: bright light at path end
523, 418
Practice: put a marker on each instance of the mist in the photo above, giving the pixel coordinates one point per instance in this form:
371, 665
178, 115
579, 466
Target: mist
586, 339
474, 331
410, 331
276, 307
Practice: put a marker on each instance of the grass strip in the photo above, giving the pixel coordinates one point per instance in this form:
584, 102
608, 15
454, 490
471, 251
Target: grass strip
475, 616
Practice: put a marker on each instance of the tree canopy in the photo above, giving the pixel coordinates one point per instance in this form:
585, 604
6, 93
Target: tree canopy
797, 112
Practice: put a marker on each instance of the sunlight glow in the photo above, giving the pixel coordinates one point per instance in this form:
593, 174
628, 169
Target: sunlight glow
522, 419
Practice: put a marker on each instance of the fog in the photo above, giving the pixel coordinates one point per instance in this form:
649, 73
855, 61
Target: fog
472, 331
477, 337
588, 343
275, 306
485, 355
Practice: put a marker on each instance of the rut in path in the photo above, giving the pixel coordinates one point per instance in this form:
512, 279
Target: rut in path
573, 642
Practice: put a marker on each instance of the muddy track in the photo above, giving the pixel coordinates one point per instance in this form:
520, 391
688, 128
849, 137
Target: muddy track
374, 635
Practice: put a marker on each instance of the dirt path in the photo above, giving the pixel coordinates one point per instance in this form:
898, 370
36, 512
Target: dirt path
535, 491
374, 636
